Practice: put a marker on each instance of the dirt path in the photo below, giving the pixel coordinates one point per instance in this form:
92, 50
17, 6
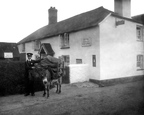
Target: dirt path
80, 99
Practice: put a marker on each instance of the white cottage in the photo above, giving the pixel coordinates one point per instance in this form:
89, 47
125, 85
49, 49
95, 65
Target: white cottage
98, 45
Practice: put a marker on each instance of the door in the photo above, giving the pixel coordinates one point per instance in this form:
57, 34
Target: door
66, 60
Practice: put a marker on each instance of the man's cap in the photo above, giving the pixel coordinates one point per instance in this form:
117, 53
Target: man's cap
29, 54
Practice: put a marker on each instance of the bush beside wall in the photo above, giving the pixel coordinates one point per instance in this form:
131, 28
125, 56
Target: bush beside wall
12, 78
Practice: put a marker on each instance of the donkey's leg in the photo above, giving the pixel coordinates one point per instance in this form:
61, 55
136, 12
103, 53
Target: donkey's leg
44, 91
48, 87
57, 90
60, 82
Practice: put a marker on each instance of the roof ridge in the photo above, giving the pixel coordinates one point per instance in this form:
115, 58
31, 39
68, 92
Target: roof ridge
82, 13
137, 15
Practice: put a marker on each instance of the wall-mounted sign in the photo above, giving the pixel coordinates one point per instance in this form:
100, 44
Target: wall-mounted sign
8, 55
86, 42
94, 60
120, 22
78, 61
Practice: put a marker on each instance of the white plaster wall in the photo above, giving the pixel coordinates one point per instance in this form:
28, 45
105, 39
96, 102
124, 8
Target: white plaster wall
118, 49
79, 73
20, 48
29, 48
76, 51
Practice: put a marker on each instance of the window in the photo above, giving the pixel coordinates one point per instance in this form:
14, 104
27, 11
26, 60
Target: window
64, 40
37, 44
140, 61
139, 30
23, 47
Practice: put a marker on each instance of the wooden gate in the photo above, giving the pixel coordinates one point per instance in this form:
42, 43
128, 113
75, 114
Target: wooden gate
65, 79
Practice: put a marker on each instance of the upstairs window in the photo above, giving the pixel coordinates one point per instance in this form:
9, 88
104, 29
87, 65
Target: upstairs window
64, 40
140, 61
23, 47
139, 30
37, 44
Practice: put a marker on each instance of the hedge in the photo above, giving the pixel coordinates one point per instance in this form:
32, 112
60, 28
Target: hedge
12, 78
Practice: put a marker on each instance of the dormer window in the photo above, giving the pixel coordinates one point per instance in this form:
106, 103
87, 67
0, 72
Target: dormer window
64, 38
37, 44
139, 31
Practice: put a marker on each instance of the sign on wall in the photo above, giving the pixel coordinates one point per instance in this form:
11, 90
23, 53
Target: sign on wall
8, 55
94, 60
86, 42
119, 21
78, 61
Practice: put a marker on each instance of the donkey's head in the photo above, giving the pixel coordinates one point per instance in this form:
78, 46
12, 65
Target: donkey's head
45, 75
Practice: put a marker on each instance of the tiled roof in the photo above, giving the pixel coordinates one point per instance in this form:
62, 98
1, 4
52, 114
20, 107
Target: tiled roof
47, 47
139, 18
78, 22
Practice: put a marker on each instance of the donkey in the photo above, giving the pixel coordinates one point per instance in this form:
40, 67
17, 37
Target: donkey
47, 80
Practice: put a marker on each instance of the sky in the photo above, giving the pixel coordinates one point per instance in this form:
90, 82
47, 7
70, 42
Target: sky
19, 18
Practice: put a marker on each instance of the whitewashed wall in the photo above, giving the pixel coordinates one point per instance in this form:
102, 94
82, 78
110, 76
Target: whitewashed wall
119, 49
76, 51
29, 48
79, 73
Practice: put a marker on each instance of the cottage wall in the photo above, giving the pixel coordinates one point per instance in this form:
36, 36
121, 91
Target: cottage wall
79, 73
77, 51
29, 48
119, 49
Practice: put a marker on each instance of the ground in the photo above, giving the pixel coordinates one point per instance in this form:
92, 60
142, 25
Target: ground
80, 99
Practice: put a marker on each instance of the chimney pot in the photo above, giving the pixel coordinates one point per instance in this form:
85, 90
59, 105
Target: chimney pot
52, 12
123, 7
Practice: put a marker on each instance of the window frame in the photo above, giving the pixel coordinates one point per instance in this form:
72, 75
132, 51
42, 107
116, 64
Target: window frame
37, 44
139, 33
140, 63
64, 38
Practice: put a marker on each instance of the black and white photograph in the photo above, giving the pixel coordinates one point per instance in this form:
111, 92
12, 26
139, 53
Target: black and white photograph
71, 57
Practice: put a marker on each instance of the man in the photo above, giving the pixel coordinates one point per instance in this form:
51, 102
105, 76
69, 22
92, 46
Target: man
29, 76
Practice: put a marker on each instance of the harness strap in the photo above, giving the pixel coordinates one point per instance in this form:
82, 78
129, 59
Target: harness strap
38, 72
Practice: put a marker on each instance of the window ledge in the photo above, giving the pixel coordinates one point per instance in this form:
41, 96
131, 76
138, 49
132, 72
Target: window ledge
140, 69
65, 47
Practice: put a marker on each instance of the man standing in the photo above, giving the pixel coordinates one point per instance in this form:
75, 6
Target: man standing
29, 76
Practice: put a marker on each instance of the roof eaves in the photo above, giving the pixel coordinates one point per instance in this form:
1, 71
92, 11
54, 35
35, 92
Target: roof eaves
105, 18
74, 30
129, 19
56, 32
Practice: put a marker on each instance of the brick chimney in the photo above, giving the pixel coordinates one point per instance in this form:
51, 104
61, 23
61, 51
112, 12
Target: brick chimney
52, 12
123, 8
